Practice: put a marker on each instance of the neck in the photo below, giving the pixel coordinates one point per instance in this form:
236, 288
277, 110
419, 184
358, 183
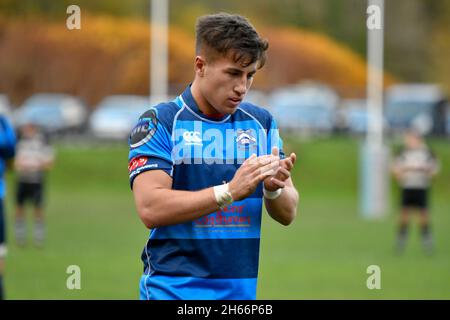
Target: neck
203, 105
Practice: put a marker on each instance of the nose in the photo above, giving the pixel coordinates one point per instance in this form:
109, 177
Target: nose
241, 87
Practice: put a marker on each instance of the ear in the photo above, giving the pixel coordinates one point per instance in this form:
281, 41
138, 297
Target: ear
199, 66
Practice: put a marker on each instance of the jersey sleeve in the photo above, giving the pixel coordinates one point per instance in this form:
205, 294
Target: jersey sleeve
48, 153
274, 139
399, 160
7, 140
150, 146
433, 163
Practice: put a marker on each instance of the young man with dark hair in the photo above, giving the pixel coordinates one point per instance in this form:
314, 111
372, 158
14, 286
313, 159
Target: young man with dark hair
413, 168
200, 167
7, 151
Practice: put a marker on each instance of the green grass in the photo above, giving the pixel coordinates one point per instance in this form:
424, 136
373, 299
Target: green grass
92, 223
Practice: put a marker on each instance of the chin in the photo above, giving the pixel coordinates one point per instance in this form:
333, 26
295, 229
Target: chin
229, 110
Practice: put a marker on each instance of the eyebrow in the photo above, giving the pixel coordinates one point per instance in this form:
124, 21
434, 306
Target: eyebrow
240, 70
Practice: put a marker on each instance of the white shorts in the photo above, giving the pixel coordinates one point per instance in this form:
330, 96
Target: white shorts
3, 250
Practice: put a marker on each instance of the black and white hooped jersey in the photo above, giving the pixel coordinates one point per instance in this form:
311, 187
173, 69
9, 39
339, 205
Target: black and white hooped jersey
416, 166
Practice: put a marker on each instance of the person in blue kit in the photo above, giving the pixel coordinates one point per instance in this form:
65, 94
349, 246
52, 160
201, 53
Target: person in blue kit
199, 168
7, 150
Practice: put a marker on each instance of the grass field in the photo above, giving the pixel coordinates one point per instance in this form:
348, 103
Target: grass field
324, 254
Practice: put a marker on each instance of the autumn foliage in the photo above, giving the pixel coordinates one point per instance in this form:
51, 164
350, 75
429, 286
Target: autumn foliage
296, 55
112, 55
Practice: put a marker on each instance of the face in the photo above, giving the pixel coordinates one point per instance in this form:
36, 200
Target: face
222, 83
29, 130
412, 141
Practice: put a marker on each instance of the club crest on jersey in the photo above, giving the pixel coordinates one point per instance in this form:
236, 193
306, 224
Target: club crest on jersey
144, 130
245, 138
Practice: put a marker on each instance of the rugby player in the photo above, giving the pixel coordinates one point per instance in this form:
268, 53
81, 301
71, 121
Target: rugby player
199, 168
34, 158
413, 168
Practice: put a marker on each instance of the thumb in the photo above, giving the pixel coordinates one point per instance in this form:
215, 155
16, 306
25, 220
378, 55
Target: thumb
293, 157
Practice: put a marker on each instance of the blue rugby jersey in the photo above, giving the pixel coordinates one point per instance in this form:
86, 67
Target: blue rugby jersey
7, 149
215, 256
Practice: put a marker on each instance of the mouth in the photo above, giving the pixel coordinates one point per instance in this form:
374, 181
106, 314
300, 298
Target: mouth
235, 101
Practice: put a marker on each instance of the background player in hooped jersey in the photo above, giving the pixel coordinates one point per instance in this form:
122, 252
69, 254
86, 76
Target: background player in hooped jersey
34, 158
200, 167
414, 167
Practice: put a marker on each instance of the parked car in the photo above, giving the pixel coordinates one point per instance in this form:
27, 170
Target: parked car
55, 113
447, 120
422, 106
116, 115
354, 116
5, 107
310, 108
258, 98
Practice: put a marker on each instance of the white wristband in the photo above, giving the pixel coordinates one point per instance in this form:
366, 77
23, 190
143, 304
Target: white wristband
223, 195
271, 195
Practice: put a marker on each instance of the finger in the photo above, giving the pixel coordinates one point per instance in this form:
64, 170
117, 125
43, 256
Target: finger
277, 182
283, 174
274, 166
258, 179
251, 159
266, 170
270, 169
259, 161
275, 151
287, 163
293, 157
264, 160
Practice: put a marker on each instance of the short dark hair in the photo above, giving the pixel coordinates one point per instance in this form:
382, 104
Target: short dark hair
224, 33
